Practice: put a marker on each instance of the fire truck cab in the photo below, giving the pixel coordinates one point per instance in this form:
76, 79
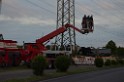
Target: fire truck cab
10, 55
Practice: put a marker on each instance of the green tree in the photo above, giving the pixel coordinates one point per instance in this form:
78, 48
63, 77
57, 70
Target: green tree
38, 64
99, 62
62, 63
111, 45
108, 62
120, 51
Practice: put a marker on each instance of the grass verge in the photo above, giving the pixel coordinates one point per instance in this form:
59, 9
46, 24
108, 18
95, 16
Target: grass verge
55, 74
7, 69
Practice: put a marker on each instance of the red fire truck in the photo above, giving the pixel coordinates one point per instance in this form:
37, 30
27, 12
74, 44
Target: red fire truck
10, 55
34, 49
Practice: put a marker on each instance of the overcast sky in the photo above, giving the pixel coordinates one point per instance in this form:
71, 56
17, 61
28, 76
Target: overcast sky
28, 20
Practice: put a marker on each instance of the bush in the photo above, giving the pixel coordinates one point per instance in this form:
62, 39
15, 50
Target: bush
120, 61
99, 62
38, 65
114, 62
62, 63
107, 62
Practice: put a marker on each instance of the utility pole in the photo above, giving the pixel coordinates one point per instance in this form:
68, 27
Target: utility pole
0, 5
66, 14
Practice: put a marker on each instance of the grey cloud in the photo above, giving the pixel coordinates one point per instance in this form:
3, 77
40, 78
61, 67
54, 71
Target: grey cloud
24, 20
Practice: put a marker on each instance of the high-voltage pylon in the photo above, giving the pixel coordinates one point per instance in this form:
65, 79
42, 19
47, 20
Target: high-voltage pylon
66, 14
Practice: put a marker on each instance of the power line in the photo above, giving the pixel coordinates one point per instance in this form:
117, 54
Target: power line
46, 3
112, 8
36, 5
41, 7
113, 14
86, 8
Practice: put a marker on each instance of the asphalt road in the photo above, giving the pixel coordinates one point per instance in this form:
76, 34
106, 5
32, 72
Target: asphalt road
110, 75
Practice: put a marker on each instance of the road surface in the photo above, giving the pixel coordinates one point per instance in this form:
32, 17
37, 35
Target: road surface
110, 75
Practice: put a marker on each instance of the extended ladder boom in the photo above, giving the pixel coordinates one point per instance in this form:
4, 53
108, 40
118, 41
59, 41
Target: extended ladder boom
57, 32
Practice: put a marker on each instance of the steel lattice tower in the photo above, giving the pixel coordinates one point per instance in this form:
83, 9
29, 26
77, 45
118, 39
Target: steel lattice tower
66, 14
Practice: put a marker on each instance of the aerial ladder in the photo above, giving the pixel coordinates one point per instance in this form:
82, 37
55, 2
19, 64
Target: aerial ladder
33, 49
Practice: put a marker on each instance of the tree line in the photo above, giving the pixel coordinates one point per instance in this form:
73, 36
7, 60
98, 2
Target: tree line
117, 51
